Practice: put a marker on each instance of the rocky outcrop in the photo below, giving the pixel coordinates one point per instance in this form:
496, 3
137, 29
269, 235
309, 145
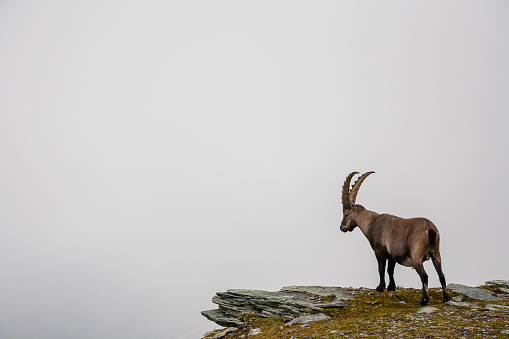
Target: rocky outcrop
303, 304
304, 309
287, 304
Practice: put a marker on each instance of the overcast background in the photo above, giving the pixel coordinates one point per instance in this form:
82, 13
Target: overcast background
153, 153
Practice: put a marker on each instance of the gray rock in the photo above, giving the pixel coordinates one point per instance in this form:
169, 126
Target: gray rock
505, 332
427, 309
462, 304
491, 308
457, 298
304, 319
505, 290
222, 318
473, 292
225, 332
286, 304
498, 307
498, 282
255, 331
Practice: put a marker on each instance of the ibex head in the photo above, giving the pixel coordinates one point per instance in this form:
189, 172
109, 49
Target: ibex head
348, 200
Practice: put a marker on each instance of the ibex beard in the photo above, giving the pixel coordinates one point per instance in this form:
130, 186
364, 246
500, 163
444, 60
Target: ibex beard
408, 242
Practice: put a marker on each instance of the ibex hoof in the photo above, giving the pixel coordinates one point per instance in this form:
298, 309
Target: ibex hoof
380, 288
391, 288
423, 302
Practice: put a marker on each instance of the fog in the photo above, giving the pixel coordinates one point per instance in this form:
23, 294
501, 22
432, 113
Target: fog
153, 153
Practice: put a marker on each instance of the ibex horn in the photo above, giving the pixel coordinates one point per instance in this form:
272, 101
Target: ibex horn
345, 195
356, 186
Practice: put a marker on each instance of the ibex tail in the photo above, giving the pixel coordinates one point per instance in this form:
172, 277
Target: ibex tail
432, 236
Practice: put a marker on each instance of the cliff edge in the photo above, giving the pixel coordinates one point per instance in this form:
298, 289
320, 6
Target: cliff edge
338, 312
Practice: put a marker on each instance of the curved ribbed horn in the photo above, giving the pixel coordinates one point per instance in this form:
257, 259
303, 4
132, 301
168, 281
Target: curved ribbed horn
356, 186
345, 195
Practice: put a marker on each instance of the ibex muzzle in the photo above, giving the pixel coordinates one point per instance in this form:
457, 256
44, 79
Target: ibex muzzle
408, 242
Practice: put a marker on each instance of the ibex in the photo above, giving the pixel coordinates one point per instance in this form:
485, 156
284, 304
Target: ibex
408, 242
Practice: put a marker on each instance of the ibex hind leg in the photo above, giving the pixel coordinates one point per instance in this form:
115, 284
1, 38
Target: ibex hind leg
438, 267
419, 268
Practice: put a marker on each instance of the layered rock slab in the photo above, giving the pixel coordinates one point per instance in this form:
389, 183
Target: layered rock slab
473, 292
290, 302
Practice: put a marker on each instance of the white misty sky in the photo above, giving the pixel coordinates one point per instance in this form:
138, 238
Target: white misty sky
153, 153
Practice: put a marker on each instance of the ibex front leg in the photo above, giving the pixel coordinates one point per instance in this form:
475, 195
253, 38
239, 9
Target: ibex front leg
381, 270
390, 270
